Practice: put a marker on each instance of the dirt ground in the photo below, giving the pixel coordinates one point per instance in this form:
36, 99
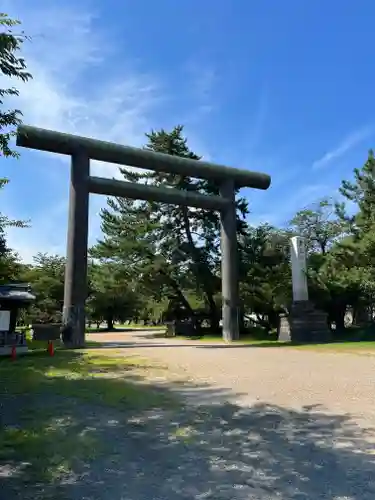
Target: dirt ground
312, 412
254, 424
336, 382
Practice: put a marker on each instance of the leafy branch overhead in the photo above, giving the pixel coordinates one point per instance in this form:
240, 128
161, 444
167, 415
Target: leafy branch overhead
12, 65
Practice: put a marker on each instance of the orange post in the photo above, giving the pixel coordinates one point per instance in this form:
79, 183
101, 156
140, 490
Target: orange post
14, 353
50, 348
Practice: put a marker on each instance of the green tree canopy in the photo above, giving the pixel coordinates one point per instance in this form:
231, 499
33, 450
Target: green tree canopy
12, 65
173, 250
46, 276
319, 225
111, 298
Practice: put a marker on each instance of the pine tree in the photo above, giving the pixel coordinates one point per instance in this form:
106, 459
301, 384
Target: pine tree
347, 276
175, 248
362, 193
265, 283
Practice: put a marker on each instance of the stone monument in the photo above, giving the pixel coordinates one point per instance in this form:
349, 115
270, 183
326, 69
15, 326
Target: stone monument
298, 263
304, 323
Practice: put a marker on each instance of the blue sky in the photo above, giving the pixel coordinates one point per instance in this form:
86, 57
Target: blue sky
281, 87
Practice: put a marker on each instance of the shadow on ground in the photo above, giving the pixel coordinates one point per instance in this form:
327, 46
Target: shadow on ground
101, 330
153, 449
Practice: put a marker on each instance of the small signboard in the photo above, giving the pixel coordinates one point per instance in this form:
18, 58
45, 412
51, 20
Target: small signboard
4, 321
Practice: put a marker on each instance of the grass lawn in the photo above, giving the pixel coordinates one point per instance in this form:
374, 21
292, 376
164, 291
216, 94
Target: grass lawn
45, 402
350, 345
142, 327
124, 327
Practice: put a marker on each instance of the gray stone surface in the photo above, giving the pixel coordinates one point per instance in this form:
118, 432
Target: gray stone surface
308, 324
283, 329
304, 324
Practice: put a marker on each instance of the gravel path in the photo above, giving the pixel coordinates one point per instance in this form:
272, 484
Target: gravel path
337, 382
279, 422
258, 424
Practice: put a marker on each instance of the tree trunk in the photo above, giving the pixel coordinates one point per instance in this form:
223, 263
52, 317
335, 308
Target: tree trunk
202, 274
178, 292
109, 321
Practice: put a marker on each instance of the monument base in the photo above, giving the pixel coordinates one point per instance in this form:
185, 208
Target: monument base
304, 324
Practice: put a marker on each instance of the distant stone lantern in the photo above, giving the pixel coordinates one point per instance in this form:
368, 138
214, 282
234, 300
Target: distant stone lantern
13, 298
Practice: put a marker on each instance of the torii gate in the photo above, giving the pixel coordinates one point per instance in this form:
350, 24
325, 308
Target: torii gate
82, 150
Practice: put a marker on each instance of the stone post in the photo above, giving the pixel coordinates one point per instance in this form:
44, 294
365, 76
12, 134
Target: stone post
75, 288
298, 263
305, 323
229, 264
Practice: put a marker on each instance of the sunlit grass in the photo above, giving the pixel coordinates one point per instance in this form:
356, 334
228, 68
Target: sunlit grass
47, 446
50, 437
112, 377
141, 327
345, 346
339, 346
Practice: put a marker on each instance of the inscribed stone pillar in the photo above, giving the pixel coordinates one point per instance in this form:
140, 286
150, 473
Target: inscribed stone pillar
305, 323
298, 262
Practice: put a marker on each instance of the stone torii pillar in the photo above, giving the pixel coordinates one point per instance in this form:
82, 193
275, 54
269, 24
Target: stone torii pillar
84, 149
75, 287
229, 264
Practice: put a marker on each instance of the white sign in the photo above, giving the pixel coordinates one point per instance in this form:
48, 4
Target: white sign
4, 321
298, 262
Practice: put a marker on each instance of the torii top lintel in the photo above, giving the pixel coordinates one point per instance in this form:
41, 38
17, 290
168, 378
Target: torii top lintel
68, 144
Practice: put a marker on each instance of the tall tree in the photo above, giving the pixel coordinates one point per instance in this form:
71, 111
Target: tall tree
111, 297
319, 225
46, 277
336, 281
174, 248
9, 260
12, 66
265, 276
360, 243
361, 193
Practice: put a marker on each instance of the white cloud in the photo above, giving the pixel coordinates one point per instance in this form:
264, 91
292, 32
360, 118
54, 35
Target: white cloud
42, 236
290, 204
116, 109
77, 87
346, 145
